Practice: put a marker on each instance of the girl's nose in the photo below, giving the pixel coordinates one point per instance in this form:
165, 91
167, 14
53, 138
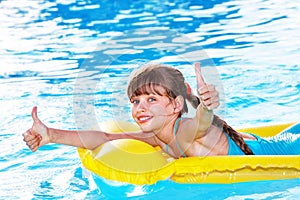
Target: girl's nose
142, 106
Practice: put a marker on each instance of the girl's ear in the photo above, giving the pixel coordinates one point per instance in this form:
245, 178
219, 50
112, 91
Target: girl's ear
178, 104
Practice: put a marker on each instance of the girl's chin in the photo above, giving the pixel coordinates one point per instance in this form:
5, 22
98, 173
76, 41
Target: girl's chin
146, 128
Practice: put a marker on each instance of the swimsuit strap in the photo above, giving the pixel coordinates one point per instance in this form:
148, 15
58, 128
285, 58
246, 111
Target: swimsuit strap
175, 132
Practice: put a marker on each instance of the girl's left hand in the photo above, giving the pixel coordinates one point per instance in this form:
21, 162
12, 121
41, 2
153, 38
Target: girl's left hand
38, 134
208, 94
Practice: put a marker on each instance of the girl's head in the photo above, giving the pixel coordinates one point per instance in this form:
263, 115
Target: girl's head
147, 79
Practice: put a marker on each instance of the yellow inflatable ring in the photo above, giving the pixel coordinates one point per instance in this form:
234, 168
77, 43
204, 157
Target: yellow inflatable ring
136, 162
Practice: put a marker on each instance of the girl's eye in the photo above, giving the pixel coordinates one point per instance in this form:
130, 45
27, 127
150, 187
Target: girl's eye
135, 101
151, 99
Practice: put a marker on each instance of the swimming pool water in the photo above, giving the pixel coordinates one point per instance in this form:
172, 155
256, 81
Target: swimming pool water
72, 58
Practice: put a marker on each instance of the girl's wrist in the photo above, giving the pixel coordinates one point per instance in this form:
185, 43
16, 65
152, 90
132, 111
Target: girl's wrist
50, 135
205, 116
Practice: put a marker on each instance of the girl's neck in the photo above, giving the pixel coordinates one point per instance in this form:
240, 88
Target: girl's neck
165, 134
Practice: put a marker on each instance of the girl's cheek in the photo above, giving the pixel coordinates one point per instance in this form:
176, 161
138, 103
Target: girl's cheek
133, 110
158, 108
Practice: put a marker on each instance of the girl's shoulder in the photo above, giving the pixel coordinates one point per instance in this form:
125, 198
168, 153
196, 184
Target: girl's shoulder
187, 129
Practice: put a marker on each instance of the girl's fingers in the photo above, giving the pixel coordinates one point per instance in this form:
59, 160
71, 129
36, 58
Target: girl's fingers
208, 92
36, 140
213, 106
206, 88
211, 96
27, 136
32, 141
209, 102
33, 145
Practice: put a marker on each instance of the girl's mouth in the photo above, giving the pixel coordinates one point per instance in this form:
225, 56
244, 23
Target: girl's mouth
143, 119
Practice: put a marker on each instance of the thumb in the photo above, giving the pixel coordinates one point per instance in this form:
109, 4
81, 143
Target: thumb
34, 114
200, 79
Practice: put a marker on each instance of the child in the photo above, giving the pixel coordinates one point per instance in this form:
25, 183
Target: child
158, 96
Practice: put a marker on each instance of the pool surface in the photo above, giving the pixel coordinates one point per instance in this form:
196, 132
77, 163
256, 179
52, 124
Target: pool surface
72, 59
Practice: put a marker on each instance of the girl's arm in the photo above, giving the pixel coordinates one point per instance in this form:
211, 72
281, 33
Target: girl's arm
87, 139
39, 134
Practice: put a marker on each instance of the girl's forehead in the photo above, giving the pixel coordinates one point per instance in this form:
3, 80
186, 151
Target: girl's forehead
152, 88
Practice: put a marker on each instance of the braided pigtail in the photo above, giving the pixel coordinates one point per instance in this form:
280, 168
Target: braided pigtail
194, 100
233, 134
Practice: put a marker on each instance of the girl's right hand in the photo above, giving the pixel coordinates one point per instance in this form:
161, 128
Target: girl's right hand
37, 135
208, 94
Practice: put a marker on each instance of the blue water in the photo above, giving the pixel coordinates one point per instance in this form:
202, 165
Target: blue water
72, 60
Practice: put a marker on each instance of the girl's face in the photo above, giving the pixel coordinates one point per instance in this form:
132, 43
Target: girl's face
152, 111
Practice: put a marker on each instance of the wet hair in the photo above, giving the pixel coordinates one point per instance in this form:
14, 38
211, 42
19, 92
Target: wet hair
146, 79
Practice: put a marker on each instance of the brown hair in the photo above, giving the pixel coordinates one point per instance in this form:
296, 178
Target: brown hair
144, 80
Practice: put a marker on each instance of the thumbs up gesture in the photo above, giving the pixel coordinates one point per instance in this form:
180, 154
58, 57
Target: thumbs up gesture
208, 94
37, 135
